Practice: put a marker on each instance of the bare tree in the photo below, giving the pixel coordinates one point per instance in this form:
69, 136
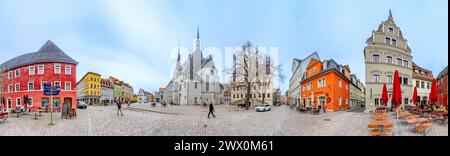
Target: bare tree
247, 72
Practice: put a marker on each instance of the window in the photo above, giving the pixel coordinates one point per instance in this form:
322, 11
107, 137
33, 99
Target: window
319, 83
42, 84
417, 84
30, 86
394, 42
389, 79
340, 100
68, 86
30, 102
40, 69
57, 84
405, 63
68, 70
314, 70
10, 75
405, 81
195, 85
400, 80
17, 89
31, 70
376, 78
388, 41
57, 69
324, 82
9, 103
17, 73
268, 95
391, 30
376, 58
339, 83
377, 101
399, 62
422, 85
18, 102
389, 59
10, 88
428, 85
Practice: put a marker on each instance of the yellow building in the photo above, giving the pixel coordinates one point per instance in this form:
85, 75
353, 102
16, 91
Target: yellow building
89, 88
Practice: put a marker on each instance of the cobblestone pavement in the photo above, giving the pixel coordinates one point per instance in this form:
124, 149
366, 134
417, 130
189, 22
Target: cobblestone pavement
145, 120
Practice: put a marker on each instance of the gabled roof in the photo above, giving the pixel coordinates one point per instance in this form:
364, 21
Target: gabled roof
49, 52
443, 73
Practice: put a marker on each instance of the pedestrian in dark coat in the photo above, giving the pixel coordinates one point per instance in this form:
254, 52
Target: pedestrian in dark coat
211, 110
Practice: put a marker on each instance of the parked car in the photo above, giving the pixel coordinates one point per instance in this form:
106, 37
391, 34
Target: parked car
263, 107
82, 105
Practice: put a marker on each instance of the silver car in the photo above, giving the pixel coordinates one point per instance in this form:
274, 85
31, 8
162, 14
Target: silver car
263, 107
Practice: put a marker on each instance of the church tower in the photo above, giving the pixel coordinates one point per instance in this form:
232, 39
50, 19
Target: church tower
197, 61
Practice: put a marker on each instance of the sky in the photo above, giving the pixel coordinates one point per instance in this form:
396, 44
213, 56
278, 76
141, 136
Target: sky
136, 40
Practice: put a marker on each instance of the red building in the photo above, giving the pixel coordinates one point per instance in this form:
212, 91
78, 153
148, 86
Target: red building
442, 84
25, 75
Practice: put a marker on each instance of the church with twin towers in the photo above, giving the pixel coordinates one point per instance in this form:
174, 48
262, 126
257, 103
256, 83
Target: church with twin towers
195, 81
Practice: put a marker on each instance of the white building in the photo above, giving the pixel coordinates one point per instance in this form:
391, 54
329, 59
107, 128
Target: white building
144, 96
298, 68
107, 93
195, 81
422, 79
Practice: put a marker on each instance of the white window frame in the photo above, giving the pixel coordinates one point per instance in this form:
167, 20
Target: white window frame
55, 69
68, 67
16, 73
9, 103
16, 89
389, 81
387, 59
31, 70
29, 86
373, 58
70, 86
54, 83
41, 72
18, 102
10, 88
10, 75
374, 80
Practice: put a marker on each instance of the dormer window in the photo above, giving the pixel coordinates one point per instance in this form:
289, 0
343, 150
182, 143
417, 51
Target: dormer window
391, 30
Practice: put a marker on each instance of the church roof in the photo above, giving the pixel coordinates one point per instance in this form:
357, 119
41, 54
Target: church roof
49, 52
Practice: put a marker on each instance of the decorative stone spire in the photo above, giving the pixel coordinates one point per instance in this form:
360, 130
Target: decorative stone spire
390, 15
198, 32
178, 59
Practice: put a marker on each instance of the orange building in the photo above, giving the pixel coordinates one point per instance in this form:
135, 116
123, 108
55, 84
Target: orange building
326, 83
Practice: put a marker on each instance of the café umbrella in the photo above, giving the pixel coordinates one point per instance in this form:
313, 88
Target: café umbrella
384, 96
396, 91
434, 93
415, 98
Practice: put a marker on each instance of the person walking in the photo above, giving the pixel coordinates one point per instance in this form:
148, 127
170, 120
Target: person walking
324, 108
211, 110
119, 108
65, 111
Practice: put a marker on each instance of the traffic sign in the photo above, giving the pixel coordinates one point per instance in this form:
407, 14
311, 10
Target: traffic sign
51, 91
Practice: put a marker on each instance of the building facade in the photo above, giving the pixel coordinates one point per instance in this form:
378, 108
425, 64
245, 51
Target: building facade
298, 68
127, 93
144, 96
195, 81
89, 88
107, 92
25, 75
422, 79
357, 100
387, 51
442, 84
117, 89
326, 83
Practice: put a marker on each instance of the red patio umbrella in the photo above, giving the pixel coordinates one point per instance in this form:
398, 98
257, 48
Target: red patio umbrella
396, 91
415, 98
384, 95
434, 93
